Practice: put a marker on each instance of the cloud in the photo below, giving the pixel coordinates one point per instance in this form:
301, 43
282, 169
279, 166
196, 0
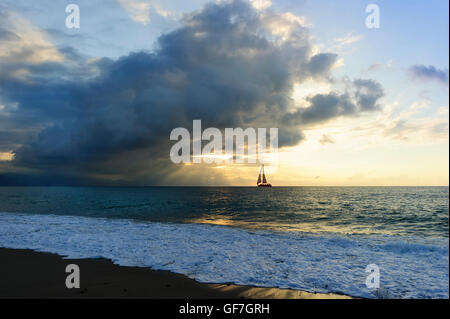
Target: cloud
414, 130
321, 63
326, 140
6, 156
407, 126
261, 4
20, 41
349, 39
428, 73
229, 65
139, 11
378, 66
363, 97
162, 12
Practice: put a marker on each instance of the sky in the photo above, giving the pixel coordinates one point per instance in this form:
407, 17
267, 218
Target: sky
95, 105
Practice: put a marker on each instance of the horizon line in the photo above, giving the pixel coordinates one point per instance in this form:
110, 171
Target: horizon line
217, 186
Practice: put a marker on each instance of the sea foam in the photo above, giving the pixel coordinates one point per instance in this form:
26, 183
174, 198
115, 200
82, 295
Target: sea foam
409, 267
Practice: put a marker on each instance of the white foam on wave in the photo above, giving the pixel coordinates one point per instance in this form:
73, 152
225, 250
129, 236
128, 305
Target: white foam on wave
218, 254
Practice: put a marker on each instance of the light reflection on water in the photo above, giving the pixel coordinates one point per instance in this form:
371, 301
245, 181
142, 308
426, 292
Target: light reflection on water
417, 211
297, 227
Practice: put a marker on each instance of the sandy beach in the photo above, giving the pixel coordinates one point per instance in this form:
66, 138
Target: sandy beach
30, 274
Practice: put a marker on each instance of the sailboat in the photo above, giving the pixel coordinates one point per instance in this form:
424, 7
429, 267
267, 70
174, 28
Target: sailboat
262, 182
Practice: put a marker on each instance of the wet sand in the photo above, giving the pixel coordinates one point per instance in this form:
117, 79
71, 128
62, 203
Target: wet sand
30, 274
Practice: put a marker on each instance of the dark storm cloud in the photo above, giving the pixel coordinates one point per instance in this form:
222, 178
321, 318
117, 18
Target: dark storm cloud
12, 139
422, 72
323, 107
321, 63
222, 66
327, 106
368, 92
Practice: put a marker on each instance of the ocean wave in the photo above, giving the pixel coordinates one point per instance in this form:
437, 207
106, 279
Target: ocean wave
409, 267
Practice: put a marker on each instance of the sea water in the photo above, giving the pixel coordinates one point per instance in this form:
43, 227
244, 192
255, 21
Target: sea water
318, 239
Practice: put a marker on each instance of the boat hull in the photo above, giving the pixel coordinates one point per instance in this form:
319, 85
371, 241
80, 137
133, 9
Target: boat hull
264, 185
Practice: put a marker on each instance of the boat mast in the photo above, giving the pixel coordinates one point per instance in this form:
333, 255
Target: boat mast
259, 178
264, 175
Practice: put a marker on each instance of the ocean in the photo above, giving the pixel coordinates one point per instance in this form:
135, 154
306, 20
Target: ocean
318, 239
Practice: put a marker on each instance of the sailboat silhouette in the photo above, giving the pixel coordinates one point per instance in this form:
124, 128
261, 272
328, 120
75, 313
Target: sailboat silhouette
262, 182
